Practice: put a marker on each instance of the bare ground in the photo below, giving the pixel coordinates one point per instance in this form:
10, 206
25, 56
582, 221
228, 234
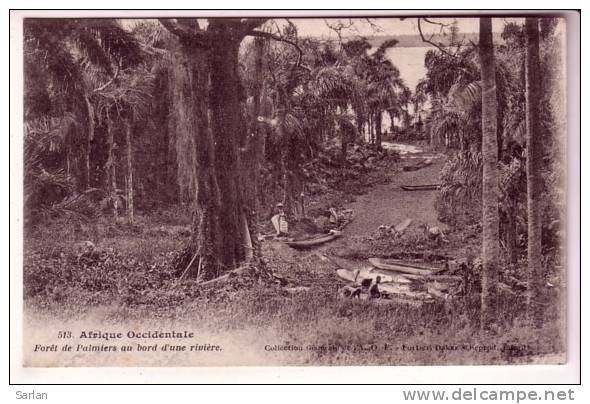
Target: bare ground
388, 204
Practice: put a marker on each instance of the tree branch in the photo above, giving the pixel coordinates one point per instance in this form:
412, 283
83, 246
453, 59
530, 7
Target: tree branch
442, 25
111, 81
251, 23
374, 26
269, 35
173, 27
150, 50
429, 40
199, 38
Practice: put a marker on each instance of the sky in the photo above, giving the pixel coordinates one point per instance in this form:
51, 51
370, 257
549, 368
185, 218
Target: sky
390, 26
317, 27
410, 61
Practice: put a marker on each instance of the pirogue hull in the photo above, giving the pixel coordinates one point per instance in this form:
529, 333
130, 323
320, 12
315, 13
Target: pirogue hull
314, 241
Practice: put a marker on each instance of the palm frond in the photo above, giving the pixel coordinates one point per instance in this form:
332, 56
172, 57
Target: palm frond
380, 52
90, 49
48, 134
330, 82
463, 97
294, 126
117, 43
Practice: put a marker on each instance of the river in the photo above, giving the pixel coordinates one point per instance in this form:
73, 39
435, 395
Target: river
410, 62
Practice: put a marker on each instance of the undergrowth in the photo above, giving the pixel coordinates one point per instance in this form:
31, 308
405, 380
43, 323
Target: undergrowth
127, 273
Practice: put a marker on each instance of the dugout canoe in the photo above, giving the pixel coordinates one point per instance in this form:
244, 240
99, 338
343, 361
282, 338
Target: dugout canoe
358, 275
425, 187
394, 299
395, 278
404, 291
386, 286
402, 263
315, 240
402, 301
434, 277
388, 265
419, 165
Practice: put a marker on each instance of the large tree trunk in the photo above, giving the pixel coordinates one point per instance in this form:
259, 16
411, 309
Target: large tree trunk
128, 137
190, 112
490, 175
211, 100
220, 231
224, 100
534, 156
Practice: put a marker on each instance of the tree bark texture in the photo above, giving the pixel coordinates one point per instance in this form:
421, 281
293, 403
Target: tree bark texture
490, 175
225, 124
190, 112
211, 97
533, 160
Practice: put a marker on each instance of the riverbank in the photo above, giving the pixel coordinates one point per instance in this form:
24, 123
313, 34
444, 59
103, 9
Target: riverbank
132, 283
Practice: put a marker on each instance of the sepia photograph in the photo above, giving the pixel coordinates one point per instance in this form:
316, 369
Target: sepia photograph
346, 190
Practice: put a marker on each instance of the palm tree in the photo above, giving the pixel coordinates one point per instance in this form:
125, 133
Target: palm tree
66, 62
334, 92
69, 52
454, 118
384, 90
46, 181
490, 222
534, 161
123, 104
419, 98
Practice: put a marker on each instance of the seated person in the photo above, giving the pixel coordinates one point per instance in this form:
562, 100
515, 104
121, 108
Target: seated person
279, 221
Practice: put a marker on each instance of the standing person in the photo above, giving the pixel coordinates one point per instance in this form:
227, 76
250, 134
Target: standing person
279, 221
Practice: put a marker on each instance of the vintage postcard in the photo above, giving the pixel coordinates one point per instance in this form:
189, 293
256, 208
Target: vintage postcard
294, 190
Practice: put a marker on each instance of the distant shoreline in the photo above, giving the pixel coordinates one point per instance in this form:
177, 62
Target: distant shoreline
415, 41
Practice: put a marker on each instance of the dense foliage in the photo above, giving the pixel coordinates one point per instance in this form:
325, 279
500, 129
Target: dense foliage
454, 122
103, 104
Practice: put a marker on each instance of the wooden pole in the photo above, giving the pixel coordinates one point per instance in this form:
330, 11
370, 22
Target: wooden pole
189, 266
